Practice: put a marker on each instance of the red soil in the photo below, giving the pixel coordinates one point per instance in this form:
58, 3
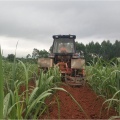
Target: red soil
31, 85
85, 96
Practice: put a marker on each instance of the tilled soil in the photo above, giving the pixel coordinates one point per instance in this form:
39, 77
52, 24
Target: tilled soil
85, 96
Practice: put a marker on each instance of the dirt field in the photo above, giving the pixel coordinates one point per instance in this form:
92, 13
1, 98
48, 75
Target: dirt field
69, 110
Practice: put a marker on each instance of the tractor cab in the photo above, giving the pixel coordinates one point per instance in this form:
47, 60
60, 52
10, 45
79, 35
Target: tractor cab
64, 44
63, 48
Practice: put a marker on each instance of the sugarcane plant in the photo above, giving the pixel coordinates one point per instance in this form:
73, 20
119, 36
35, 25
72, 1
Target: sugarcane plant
1, 87
104, 77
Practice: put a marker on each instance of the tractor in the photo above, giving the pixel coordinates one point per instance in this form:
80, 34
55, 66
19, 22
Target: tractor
63, 54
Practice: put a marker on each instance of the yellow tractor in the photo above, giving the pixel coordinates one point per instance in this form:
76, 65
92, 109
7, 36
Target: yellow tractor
70, 63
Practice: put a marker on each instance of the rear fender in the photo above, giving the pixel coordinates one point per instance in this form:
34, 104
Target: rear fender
45, 62
78, 63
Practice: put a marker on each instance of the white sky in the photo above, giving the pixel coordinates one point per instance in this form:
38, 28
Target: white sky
34, 23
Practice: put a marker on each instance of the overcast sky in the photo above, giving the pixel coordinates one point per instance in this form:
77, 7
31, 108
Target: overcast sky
34, 23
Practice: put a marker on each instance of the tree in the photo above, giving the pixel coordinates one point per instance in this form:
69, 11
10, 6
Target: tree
97, 48
11, 57
43, 53
28, 56
107, 50
90, 47
116, 48
39, 53
80, 47
35, 53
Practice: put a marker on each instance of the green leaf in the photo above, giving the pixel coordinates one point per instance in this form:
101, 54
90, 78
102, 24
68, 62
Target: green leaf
6, 105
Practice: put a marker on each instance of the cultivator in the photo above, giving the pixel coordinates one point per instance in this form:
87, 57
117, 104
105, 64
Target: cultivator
70, 63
